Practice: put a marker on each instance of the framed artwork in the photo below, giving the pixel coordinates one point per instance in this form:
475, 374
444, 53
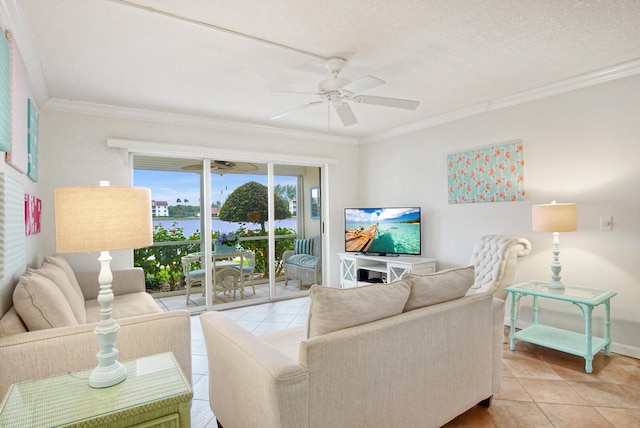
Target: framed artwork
489, 174
32, 211
17, 154
315, 202
32, 141
5, 96
13, 255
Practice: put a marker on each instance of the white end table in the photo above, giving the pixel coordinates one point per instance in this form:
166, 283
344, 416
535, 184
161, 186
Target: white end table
582, 344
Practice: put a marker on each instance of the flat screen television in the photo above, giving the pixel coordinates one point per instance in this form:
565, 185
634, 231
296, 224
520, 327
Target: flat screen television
383, 231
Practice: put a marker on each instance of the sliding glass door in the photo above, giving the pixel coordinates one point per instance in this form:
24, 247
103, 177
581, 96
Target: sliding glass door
201, 205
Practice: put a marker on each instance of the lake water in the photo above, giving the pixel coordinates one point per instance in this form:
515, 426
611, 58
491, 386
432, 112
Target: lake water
191, 225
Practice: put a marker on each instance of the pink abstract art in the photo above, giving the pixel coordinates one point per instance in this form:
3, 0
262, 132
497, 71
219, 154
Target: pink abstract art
32, 211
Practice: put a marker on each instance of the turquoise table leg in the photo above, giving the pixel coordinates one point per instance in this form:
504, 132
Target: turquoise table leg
607, 327
588, 355
512, 329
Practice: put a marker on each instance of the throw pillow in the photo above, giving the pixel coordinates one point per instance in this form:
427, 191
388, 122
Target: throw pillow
63, 264
60, 278
303, 246
11, 323
335, 309
438, 287
41, 304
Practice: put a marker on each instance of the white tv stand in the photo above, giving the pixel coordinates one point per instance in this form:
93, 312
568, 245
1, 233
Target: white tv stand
379, 268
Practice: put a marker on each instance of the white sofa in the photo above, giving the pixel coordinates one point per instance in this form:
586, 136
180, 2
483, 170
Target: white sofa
50, 328
413, 353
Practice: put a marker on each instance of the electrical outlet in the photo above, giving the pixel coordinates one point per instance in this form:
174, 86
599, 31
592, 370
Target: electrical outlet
606, 223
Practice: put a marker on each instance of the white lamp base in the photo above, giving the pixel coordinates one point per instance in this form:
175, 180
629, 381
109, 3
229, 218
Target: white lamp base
105, 376
109, 371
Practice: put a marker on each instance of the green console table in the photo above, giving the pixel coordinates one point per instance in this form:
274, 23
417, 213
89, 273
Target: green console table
154, 394
582, 344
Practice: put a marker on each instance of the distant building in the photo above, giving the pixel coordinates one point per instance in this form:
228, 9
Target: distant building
159, 208
293, 206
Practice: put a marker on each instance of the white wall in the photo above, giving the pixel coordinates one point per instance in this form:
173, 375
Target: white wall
583, 147
74, 152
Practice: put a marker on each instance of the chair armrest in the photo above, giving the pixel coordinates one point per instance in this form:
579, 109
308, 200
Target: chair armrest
243, 368
286, 255
125, 281
42, 353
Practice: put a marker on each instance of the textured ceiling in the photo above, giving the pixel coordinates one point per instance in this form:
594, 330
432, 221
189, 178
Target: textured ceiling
448, 54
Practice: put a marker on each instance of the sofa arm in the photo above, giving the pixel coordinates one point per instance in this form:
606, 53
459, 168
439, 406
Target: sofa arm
42, 353
124, 281
245, 369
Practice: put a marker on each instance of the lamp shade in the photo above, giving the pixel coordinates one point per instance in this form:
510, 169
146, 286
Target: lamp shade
102, 218
554, 217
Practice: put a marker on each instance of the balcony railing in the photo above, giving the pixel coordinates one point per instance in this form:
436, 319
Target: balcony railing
163, 268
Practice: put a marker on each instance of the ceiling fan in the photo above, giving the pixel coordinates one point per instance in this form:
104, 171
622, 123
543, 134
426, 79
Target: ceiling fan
336, 92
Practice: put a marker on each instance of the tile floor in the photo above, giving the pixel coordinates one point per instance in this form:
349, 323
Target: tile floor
541, 387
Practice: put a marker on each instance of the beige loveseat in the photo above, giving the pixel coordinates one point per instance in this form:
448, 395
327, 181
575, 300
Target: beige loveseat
49, 330
413, 353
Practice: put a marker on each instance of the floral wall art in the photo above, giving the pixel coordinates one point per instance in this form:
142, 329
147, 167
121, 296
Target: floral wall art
488, 174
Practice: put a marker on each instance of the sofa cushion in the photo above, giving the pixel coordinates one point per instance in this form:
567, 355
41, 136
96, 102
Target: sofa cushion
60, 278
11, 323
41, 304
63, 264
438, 287
335, 309
123, 306
303, 260
303, 246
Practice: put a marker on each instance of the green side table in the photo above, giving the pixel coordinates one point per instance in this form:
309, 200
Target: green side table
155, 394
581, 344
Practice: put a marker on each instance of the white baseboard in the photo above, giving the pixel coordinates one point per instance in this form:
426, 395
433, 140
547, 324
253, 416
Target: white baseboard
618, 348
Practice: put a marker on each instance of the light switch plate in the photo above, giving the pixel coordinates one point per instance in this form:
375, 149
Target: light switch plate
606, 223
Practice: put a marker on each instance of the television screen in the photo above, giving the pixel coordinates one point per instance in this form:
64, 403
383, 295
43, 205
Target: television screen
384, 231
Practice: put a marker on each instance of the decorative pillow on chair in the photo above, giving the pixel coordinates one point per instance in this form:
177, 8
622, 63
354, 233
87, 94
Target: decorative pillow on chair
303, 246
41, 304
335, 309
438, 287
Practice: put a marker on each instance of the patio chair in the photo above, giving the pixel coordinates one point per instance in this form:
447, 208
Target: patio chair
192, 276
249, 269
228, 279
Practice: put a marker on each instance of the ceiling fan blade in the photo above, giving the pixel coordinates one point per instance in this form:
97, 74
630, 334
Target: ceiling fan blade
387, 102
293, 110
293, 93
362, 84
346, 114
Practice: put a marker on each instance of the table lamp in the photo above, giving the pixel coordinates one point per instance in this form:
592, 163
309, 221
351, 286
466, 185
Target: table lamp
555, 218
103, 218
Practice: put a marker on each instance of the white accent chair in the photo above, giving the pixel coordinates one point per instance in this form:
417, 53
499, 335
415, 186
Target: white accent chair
495, 258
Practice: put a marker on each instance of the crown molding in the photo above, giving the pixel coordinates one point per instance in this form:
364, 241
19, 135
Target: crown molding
597, 77
57, 104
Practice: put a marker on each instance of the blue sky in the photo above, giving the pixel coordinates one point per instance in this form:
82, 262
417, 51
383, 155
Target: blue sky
169, 186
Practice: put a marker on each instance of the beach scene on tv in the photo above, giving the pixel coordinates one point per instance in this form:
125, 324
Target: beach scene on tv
382, 230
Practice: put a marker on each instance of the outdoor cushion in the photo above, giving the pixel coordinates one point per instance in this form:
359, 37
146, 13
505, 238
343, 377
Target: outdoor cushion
438, 287
41, 304
335, 309
303, 246
196, 273
303, 260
